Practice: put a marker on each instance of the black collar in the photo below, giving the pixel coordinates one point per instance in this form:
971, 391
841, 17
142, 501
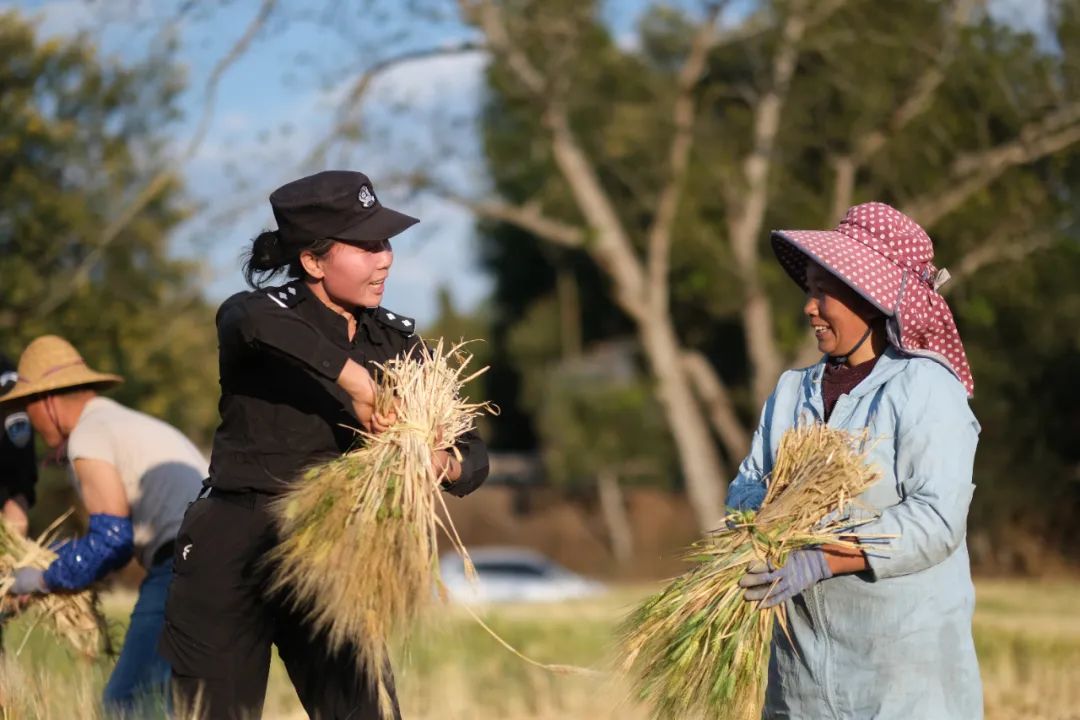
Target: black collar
366, 320
333, 325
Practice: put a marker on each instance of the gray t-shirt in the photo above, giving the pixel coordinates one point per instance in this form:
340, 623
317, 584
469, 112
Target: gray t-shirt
162, 471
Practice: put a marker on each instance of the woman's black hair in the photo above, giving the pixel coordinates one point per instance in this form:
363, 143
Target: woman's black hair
269, 255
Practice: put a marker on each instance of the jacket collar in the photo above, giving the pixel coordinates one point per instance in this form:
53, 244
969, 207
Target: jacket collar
333, 326
891, 362
366, 317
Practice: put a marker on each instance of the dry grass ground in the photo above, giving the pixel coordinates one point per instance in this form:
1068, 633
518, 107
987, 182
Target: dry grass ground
1027, 633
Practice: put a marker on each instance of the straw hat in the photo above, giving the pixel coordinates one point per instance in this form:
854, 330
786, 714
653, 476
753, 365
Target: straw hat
51, 363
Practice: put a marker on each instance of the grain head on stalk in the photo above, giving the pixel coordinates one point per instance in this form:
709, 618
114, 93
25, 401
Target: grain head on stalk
73, 618
358, 535
697, 648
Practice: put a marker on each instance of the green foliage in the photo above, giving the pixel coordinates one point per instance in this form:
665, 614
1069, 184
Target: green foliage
453, 326
589, 422
80, 137
592, 412
855, 71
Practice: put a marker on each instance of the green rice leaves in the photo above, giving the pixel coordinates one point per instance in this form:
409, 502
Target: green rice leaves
697, 648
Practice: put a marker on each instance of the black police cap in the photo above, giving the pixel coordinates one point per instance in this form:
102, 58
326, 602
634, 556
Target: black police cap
339, 204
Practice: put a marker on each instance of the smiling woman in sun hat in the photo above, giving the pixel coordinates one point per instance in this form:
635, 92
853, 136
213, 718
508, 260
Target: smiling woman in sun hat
883, 633
135, 475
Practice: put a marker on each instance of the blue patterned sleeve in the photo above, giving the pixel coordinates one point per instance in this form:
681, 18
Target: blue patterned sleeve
107, 546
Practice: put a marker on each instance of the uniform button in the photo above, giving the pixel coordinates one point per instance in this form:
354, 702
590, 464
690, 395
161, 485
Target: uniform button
326, 363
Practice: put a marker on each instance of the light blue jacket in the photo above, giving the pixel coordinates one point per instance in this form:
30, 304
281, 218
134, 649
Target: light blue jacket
894, 642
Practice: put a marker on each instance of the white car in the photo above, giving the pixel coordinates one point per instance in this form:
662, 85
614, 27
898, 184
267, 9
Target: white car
513, 575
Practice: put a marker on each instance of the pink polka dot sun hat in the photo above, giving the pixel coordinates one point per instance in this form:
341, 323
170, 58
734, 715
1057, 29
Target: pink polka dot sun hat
886, 257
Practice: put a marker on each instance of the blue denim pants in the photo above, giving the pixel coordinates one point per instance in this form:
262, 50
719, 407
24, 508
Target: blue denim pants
140, 672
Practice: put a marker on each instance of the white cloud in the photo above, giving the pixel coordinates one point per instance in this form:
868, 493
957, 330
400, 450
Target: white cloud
430, 82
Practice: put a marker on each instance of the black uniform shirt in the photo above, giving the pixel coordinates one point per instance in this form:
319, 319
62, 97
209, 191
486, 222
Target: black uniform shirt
280, 351
18, 469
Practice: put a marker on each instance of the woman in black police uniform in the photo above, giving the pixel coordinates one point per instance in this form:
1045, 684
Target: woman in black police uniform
296, 363
18, 467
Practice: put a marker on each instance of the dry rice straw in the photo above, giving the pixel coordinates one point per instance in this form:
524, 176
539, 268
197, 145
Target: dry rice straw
358, 550
697, 648
75, 618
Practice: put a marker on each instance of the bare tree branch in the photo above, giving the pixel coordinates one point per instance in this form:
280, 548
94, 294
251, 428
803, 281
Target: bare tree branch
162, 179
746, 221
844, 168
610, 246
684, 115
1029, 139
752, 26
913, 106
220, 68
347, 117
609, 241
995, 251
822, 10
714, 396
924, 89
971, 173
528, 217
488, 17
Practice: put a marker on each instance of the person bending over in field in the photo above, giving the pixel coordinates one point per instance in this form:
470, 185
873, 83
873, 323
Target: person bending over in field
136, 476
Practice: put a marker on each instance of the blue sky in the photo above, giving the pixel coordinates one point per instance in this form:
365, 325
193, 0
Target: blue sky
279, 100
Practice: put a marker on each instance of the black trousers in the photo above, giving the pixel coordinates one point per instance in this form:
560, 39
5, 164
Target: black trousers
221, 619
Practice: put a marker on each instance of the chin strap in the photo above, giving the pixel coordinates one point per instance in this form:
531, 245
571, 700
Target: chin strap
841, 359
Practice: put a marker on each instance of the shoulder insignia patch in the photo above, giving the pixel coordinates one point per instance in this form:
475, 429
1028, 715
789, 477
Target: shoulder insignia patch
8, 380
400, 323
286, 296
17, 428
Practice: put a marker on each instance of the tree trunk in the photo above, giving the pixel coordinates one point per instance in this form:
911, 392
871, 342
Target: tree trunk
612, 251
701, 466
747, 220
843, 187
717, 402
613, 508
566, 291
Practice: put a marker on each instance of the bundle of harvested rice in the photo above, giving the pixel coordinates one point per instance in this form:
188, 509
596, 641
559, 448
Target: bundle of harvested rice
74, 618
697, 648
358, 547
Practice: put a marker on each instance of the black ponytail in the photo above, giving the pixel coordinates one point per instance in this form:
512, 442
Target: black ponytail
265, 259
269, 255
